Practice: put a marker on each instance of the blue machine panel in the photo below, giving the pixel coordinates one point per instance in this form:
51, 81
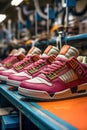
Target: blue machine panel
70, 3
10, 122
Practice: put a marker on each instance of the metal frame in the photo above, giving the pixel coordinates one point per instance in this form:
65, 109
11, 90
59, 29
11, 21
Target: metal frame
41, 118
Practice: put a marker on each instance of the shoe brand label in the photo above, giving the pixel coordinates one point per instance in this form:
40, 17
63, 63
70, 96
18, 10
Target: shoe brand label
21, 56
22, 65
19, 67
35, 57
54, 75
51, 58
73, 63
36, 68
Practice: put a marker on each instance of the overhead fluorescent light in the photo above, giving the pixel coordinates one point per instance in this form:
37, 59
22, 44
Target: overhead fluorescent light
64, 3
16, 2
2, 17
71, 17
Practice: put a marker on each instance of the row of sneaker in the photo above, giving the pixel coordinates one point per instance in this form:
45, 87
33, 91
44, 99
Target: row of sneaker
56, 74
13, 66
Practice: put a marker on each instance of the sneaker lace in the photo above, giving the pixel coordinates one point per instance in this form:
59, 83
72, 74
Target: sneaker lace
4, 60
12, 59
53, 67
37, 63
23, 61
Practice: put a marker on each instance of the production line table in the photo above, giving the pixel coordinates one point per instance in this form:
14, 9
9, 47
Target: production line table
70, 114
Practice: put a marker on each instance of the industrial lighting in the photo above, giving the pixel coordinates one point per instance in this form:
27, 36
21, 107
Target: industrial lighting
63, 3
16, 2
2, 17
71, 17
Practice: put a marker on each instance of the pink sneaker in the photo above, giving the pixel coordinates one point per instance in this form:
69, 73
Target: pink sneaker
9, 56
2, 63
34, 69
32, 56
13, 57
59, 81
19, 66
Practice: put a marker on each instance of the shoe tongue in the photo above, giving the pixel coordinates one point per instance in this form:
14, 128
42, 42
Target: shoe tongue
13, 52
34, 50
51, 50
68, 51
20, 51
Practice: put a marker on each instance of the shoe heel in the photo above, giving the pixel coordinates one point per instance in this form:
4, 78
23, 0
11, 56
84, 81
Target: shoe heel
82, 89
76, 91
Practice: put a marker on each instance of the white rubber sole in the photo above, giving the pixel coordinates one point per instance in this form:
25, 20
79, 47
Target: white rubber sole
13, 83
3, 78
43, 95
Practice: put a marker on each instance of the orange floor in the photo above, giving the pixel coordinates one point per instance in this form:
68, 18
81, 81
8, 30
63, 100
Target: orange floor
73, 111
